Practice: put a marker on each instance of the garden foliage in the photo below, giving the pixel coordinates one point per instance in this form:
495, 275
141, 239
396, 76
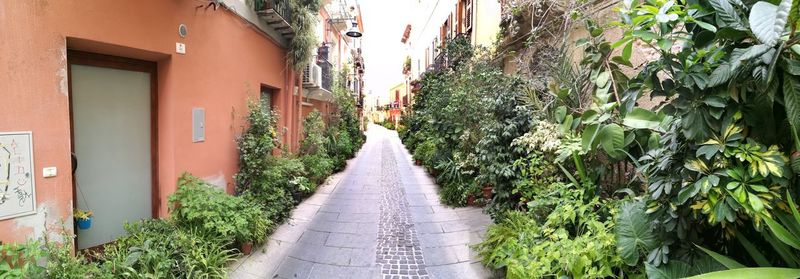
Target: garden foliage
708, 163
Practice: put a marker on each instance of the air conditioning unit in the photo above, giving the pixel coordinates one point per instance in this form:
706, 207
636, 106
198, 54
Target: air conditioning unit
312, 76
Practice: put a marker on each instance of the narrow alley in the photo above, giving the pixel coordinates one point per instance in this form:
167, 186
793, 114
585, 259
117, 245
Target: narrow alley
380, 218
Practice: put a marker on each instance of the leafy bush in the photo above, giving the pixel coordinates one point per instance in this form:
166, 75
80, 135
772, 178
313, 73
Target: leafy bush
314, 140
161, 249
425, 152
198, 205
388, 125
314, 150
23, 261
255, 147
573, 240
508, 119
341, 148
318, 166
18, 260
61, 264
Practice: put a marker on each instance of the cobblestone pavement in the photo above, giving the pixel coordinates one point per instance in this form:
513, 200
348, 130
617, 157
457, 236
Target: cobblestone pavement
380, 218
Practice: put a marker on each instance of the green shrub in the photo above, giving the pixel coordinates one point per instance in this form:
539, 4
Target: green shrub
18, 260
21, 260
314, 151
255, 147
455, 193
319, 167
161, 249
341, 148
274, 189
574, 240
425, 152
388, 125
198, 205
314, 140
61, 264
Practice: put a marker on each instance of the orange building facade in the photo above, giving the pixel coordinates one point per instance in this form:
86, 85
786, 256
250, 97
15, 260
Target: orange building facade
193, 67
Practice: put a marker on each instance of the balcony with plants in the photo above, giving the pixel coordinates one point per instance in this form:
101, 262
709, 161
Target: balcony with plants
277, 14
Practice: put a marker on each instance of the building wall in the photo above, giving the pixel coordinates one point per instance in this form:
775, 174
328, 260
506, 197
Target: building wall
487, 22
393, 96
226, 61
428, 18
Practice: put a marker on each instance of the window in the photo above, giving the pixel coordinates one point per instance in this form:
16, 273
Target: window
467, 15
397, 98
267, 96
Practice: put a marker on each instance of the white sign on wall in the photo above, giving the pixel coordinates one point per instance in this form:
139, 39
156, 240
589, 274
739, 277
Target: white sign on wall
17, 188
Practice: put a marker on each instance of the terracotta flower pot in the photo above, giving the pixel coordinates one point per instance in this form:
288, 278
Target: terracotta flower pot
247, 248
471, 200
418, 162
487, 191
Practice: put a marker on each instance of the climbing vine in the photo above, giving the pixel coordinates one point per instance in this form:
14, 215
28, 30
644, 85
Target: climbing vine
304, 43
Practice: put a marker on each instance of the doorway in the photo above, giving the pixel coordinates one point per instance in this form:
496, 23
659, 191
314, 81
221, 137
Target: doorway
112, 107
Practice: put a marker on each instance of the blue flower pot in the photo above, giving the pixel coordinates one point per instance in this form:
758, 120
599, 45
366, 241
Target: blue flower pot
84, 224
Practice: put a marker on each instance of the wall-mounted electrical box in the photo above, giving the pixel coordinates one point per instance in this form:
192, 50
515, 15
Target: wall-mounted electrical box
198, 124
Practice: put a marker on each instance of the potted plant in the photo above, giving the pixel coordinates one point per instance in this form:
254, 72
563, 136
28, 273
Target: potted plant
83, 218
472, 193
247, 247
487, 191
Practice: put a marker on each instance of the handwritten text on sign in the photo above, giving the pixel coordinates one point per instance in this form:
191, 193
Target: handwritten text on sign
17, 188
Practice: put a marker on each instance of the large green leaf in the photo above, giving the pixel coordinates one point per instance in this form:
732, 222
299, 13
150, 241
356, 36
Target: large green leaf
791, 100
672, 270
768, 21
640, 118
560, 113
612, 139
792, 66
720, 75
728, 14
748, 53
588, 136
754, 272
782, 234
634, 232
752, 250
727, 262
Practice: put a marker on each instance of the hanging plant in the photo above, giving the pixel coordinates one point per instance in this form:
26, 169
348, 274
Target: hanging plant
302, 17
304, 21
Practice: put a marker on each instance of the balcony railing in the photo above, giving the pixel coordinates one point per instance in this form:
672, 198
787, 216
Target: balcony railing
277, 14
440, 62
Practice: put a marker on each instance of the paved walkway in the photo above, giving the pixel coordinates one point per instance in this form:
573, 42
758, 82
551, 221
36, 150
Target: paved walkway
380, 218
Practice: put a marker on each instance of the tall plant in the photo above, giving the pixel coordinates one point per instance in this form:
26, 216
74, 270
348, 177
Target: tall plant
304, 19
728, 70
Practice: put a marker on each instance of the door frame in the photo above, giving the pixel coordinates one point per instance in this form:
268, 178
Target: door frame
75, 57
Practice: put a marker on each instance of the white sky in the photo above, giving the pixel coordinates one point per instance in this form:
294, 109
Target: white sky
384, 23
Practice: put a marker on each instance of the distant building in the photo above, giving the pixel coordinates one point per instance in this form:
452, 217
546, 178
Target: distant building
398, 100
434, 23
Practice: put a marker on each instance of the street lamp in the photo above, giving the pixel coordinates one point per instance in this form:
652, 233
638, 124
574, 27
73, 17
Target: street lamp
353, 31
